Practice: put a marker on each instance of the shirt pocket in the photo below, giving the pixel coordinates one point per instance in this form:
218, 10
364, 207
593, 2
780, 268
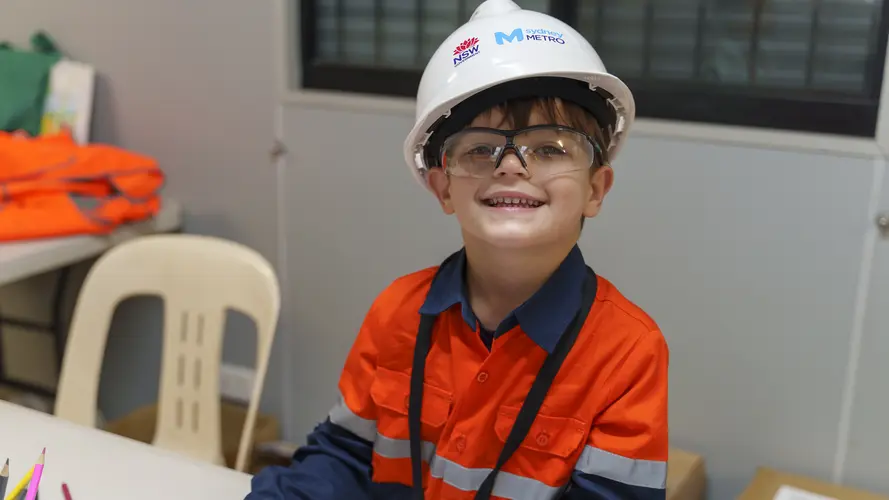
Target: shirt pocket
550, 449
390, 392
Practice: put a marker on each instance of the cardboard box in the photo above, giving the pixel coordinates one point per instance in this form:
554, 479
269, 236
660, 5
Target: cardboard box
767, 482
140, 425
686, 476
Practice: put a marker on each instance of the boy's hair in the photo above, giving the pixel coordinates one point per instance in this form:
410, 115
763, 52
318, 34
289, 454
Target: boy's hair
517, 113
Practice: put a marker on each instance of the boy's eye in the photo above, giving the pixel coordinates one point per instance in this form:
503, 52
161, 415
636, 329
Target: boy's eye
549, 151
481, 150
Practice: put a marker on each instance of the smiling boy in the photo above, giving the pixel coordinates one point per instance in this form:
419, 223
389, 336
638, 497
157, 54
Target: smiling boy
511, 370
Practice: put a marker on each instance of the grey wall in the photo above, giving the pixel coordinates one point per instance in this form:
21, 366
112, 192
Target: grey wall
193, 84
867, 461
750, 264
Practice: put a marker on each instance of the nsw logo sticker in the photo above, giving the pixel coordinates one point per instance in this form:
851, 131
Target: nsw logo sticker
466, 50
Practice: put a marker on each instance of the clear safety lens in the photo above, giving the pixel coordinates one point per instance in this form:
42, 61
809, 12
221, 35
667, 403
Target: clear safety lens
543, 150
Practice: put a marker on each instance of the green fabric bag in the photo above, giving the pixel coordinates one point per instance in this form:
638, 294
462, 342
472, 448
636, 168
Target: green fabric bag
24, 82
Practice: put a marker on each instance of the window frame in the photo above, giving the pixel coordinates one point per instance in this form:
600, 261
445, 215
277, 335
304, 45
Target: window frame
815, 112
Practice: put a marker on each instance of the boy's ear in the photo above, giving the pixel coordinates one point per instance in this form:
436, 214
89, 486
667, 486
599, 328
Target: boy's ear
441, 187
601, 181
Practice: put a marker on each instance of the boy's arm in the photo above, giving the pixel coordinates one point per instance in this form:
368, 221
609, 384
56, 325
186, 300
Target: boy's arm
336, 462
626, 454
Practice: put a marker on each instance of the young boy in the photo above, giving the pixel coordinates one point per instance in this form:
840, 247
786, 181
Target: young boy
511, 370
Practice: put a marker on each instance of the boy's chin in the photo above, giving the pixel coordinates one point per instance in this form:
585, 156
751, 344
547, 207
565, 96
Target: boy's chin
514, 238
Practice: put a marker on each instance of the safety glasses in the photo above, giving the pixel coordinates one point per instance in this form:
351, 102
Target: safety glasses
543, 150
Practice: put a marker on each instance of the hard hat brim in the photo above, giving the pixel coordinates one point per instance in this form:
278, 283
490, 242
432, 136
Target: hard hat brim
621, 100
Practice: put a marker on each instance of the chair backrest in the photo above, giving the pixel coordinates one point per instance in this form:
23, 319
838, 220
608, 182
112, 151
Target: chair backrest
198, 278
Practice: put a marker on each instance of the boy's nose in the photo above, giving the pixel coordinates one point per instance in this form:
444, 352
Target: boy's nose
510, 164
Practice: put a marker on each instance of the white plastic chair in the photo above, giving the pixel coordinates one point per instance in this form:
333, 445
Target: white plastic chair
198, 278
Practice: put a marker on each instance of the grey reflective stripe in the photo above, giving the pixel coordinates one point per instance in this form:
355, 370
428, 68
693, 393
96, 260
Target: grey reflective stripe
342, 416
384, 446
400, 448
506, 486
647, 473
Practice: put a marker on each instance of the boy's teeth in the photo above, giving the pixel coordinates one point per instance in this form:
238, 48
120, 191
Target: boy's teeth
514, 201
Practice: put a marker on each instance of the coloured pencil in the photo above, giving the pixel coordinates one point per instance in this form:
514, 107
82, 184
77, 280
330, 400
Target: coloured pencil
4, 478
35, 478
65, 492
20, 487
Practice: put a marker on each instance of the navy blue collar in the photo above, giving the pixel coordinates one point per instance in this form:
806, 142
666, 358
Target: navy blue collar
543, 317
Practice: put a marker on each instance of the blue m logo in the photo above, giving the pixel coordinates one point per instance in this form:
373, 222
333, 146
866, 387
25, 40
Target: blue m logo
516, 35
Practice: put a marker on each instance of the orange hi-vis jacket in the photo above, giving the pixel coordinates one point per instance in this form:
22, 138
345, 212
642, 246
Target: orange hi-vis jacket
601, 432
51, 186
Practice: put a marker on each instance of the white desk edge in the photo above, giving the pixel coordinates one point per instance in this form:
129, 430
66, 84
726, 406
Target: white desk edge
21, 260
102, 466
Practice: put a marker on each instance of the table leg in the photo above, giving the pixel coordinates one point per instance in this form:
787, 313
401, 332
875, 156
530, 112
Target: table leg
57, 327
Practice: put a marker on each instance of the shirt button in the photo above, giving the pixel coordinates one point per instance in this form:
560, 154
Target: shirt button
482, 377
542, 439
460, 443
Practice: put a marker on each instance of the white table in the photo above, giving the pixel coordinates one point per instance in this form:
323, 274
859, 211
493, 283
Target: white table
25, 259
101, 466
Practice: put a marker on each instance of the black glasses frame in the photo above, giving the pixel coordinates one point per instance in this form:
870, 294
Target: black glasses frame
511, 145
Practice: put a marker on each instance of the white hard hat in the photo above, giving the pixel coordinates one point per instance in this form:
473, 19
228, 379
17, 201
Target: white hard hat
511, 53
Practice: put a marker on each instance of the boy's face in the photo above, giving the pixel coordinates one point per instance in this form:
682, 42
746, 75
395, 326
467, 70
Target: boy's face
564, 198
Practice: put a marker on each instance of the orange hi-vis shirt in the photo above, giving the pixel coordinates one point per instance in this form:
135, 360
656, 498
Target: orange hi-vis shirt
51, 186
601, 433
